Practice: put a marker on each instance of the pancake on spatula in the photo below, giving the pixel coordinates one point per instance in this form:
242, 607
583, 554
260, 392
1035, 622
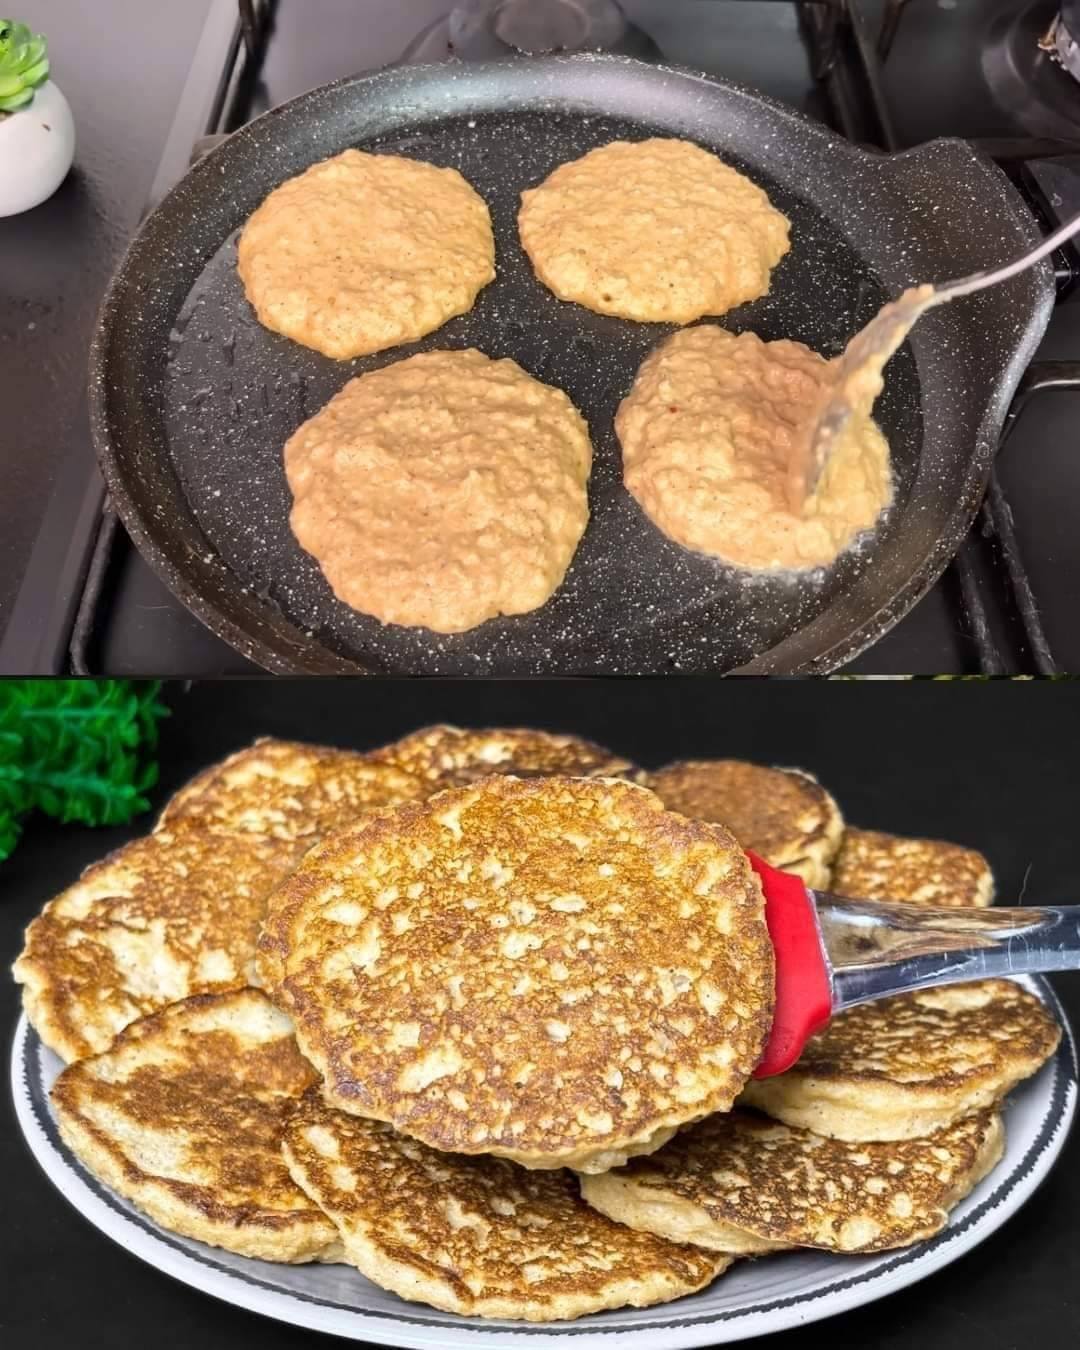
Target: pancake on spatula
784, 815
556, 970
742, 1184
183, 1117
447, 756
875, 866
478, 1236
173, 914
288, 790
903, 1067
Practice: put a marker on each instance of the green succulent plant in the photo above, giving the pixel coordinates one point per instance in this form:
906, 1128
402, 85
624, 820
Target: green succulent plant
23, 64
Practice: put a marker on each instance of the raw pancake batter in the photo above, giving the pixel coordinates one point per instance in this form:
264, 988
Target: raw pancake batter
362, 252
655, 230
442, 490
709, 433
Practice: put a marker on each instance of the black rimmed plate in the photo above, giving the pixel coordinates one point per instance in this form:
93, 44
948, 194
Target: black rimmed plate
754, 1297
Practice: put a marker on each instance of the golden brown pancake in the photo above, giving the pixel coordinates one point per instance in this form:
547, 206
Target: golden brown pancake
741, 1184
657, 230
174, 914
289, 790
784, 815
555, 970
445, 756
875, 866
361, 252
477, 1236
183, 1116
904, 1067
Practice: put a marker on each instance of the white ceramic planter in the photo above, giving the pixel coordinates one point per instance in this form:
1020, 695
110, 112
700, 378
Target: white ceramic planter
37, 146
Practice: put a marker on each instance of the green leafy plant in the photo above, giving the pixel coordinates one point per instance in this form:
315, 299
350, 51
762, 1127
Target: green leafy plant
23, 64
78, 750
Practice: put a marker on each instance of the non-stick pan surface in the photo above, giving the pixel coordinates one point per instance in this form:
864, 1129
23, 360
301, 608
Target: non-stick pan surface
192, 400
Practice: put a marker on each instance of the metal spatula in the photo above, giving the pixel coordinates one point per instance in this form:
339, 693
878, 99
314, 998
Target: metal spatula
856, 373
832, 953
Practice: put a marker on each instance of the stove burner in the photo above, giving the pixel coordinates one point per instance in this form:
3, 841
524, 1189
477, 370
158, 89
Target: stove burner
1027, 80
478, 30
1059, 40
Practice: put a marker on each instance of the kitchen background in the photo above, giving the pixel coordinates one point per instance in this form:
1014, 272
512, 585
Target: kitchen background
148, 81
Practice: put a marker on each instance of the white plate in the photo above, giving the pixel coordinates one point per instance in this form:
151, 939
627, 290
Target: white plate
753, 1298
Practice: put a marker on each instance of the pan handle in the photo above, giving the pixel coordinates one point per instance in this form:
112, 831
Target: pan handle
1039, 377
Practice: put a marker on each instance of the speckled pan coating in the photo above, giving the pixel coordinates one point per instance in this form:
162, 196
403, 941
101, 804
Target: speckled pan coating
192, 401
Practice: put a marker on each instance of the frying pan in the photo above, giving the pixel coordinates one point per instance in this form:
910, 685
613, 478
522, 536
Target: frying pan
192, 401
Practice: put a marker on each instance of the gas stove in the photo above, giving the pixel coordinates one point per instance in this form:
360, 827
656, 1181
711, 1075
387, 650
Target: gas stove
891, 75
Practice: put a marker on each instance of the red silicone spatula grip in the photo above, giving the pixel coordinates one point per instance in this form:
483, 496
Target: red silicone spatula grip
803, 990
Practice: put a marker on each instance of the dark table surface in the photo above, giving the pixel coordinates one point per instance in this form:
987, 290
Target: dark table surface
992, 766
122, 65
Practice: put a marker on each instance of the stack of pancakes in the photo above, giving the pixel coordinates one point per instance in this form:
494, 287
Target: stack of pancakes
477, 1013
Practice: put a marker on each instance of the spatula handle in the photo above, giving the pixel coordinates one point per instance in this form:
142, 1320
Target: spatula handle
803, 996
879, 949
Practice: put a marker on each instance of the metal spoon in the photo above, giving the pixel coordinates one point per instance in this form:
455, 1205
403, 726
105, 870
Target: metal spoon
856, 374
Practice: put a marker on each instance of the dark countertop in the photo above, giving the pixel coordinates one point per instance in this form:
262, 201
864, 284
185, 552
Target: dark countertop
122, 65
993, 766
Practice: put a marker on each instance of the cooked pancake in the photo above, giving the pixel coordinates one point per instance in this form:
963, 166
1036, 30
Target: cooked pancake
477, 1236
362, 252
556, 970
174, 914
442, 490
183, 1116
875, 866
713, 437
446, 756
280, 911
288, 790
784, 815
655, 230
742, 1184
903, 1067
